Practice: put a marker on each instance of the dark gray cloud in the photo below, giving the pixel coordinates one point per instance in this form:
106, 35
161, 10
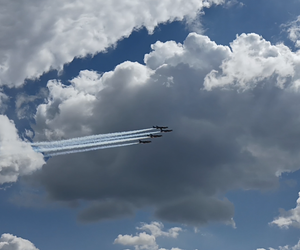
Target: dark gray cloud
196, 210
106, 210
222, 139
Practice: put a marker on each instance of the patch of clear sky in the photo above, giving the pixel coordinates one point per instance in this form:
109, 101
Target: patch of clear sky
263, 17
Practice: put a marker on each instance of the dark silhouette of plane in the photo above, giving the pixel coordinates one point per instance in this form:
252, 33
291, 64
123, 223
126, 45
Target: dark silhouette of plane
159, 127
166, 130
154, 136
140, 141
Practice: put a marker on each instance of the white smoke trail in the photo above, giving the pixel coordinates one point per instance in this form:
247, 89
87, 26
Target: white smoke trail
109, 138
89, 149
92, 144
86, 141
91, 137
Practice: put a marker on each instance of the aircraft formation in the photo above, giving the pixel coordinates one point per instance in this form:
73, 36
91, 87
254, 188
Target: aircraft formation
162, 129
96, 142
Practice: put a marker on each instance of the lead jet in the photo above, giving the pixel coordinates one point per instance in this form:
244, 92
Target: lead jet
140, 141
159, 127
166, 130
154, 136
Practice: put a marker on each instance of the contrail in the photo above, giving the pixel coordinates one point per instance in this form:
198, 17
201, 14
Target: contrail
89, 149
91, 137
92, 144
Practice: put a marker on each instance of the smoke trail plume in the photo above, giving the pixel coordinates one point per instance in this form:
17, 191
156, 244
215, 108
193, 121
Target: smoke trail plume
91, 140
91, 137
92, 144
89, 149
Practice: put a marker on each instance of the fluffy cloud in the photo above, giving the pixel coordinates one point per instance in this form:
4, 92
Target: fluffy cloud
142, 239
296, 247
43, 38
199, 52
222, 140
11, 242
293, 29
16, 156
155, 228
252, 61
289, 218
148, 241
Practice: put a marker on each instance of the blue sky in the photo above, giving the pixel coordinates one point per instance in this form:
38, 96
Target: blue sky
217, 182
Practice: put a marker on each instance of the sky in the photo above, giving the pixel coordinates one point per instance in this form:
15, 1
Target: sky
223, 74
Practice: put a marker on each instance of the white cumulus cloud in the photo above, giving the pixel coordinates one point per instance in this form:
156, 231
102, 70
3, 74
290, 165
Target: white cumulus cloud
81, 97
142, 239
289, 218
197, 51
148, 241
254, 60
16, 156
155, 228
287, 247
11, 242
50, 33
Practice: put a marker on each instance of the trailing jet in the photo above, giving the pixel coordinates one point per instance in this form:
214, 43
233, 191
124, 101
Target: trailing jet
154, 136
158, 127
140, 141
166, 130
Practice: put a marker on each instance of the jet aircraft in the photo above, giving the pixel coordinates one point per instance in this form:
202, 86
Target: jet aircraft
159, 127
140, 141
154, 136
166, 130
